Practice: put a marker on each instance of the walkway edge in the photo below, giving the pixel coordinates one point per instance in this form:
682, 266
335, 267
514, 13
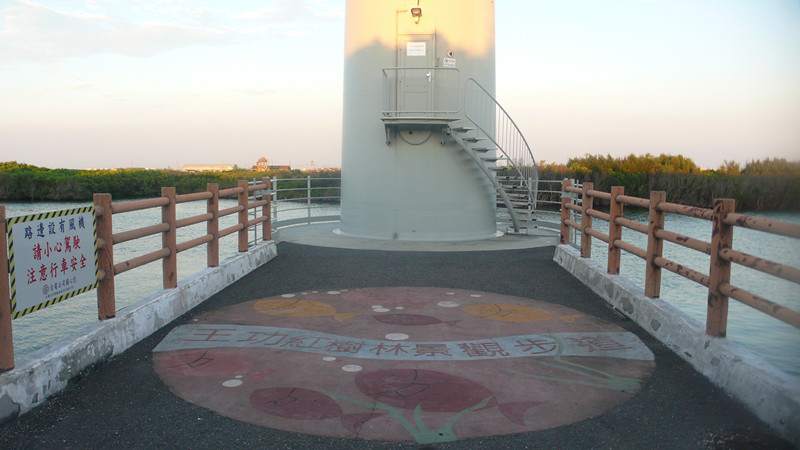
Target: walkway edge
770, 393
48, 370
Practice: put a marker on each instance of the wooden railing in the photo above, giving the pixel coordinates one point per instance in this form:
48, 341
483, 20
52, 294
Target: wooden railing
168, 254
723, 219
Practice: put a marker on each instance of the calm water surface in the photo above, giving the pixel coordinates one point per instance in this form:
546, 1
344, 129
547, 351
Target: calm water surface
44, 327
771, 338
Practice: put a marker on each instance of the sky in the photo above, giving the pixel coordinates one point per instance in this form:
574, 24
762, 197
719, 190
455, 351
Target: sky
163, 83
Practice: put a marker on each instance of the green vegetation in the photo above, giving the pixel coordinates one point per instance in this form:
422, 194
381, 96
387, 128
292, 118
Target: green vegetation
771, 184
23, 182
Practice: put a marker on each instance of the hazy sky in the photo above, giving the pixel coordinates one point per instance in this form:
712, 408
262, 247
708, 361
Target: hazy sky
162, 83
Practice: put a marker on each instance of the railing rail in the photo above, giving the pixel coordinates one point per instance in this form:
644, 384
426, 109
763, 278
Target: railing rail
318, 194
421, 91
316, 199
170, 247
721, 254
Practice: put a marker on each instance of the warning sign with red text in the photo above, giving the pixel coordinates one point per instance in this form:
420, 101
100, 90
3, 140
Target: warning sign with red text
52, 258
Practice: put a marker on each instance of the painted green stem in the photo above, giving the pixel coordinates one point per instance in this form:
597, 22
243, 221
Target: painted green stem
421, 433
602, 379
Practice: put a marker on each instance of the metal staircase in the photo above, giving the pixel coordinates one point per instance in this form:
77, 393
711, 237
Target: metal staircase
485, 159
483, 129
494, 142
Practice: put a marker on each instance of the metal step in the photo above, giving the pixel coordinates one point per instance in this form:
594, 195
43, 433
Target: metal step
517, 205
492, 158
474, 139
522, 221
462, 129
514, 187
518, 198
515, 190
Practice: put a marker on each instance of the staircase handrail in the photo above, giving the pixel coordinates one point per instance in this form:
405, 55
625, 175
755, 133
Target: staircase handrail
492, 179
520, 156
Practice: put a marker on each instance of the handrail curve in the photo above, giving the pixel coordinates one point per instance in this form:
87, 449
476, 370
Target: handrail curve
486, 113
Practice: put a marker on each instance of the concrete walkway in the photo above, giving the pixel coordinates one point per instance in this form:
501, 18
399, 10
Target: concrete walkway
139, 401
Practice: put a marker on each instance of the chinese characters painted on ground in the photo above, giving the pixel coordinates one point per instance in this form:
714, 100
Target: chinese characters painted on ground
397, 363
606, 344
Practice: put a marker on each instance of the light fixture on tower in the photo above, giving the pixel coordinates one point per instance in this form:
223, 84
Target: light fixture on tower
416, 13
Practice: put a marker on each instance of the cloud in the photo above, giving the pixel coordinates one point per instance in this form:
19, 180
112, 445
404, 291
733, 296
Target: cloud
32, 31
37, 33
81, 87
322, 9
253, 92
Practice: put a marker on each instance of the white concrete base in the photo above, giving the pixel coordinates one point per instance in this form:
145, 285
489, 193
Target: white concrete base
326, 235
48, 370
770, 393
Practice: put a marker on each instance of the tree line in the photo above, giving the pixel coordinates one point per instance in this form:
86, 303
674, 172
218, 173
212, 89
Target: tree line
770, 184
24, 182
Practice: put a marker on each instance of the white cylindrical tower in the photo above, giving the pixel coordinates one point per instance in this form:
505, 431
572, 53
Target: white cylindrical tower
406, 65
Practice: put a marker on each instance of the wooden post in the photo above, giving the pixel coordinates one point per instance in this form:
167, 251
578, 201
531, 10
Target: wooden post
586, 220
243, 216
614, 230
106, 295
652, 276
169, 239
720, 269
566, 197
6, 337
266, 227
212, 226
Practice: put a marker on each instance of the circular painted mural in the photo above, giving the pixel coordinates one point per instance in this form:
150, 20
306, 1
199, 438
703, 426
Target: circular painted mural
420, 364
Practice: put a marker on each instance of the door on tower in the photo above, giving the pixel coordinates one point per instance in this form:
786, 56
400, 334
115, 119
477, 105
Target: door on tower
415, 78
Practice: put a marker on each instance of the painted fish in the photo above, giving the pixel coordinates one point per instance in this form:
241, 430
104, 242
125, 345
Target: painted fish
205, 363
515, 313
431, 390
411, 319
295, 403
209, 364
434, 392
291, 307
383, 298
305, 404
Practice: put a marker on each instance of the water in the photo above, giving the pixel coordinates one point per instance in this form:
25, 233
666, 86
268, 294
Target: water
771, 338
774, 340
38, 329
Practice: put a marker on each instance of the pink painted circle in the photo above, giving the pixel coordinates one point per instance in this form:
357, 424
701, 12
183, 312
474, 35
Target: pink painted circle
482, 364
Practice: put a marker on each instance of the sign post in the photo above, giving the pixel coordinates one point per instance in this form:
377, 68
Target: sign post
6, 341
53, 257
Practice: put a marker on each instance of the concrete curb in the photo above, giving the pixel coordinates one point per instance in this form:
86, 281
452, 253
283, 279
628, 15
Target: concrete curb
48, 370
770, 393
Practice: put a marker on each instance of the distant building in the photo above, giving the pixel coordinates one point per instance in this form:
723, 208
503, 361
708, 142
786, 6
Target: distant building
262, 165
208, 167
310, 167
